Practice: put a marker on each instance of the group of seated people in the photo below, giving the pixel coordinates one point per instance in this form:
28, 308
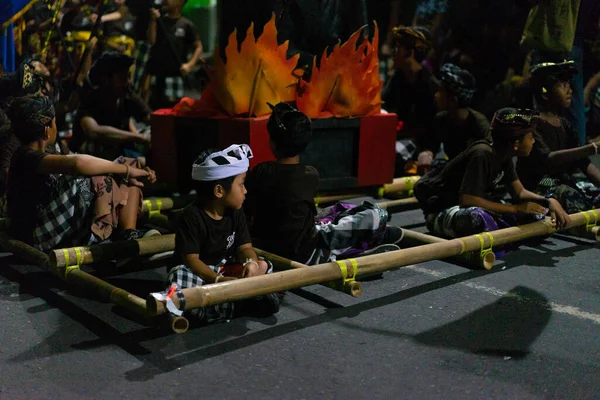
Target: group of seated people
56, 198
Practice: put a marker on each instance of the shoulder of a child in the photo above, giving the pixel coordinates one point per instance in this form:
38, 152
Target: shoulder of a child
311, 171
481, 119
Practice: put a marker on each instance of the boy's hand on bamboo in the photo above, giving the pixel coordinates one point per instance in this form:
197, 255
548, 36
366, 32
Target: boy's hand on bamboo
136, 175
531, 208
154, 14
558, 216
255, 268
227, 278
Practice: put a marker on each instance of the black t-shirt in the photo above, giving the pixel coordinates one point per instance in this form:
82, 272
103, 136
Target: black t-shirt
281, 200
106, 111
182, 34
123, 26
26, 191
549, 138
475, 172
412, 102
212, 240
457, 138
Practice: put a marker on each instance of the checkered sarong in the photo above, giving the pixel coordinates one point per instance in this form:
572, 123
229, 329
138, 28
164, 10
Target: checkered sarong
184, 278
170, 87
406, 149
141, 55
347, 230
65, 219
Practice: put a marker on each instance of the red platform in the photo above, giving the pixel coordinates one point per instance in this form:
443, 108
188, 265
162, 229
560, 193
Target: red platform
348, 153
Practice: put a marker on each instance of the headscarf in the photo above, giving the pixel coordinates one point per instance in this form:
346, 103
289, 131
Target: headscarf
546, 74
513, 122
411, 37
459, 81
232, 161
30, 113
20, 83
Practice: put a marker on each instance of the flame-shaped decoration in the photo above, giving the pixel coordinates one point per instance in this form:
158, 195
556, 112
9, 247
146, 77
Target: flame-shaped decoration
256, 74
346, 84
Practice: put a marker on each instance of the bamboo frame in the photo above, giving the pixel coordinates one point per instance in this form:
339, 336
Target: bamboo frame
111, 251
75, 276
158, 204
409, 201
485, 261
212, 294
350, 286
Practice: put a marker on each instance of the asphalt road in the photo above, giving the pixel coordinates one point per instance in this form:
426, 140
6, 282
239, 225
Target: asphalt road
528, 329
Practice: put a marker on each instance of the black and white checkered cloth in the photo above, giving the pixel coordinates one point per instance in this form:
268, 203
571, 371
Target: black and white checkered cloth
406, 149
142, 56
65, 219
170, 87
184, 278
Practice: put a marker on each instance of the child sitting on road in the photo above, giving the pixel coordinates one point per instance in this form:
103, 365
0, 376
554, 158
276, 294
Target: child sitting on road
556, 154
212, 239
281, 203
67, 200
455, 199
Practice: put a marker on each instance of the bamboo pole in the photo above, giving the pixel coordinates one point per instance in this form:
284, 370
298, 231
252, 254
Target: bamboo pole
474, 258
111, 251
178, 324
75, 276
404, 184
350, 287
203, 296
321, 200
158, 204
410, 201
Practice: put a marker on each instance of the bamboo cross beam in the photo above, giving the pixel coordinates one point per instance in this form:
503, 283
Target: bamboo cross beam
476, 259
158, 204
408, 202
325, 200
348, 286
404, 184
203, 296
83, 255
75, 276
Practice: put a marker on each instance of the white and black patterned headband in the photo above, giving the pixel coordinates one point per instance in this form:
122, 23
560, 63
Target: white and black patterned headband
459, 81
232, 161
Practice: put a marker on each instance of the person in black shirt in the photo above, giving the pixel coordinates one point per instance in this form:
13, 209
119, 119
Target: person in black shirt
556, 154
104, 122
212, 235
455, 198
281, 202
410, 95
53, 199
172, 41
456, 125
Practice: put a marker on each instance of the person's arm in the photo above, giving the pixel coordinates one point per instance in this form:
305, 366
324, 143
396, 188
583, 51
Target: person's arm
151, 33
113, 16
198, 267
187, 67
593, 174
83, 164
96, 131
559, 158
591, 85
557, 214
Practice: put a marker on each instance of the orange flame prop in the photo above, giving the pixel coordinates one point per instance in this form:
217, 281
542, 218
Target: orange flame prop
256, 74
347, 82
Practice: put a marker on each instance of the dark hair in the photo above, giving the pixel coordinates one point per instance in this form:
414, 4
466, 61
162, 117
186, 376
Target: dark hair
29, 117
512, 124
205, 189
547, 74
289, 130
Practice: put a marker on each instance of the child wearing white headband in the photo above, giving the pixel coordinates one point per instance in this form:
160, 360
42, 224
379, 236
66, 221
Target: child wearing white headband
212, 239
